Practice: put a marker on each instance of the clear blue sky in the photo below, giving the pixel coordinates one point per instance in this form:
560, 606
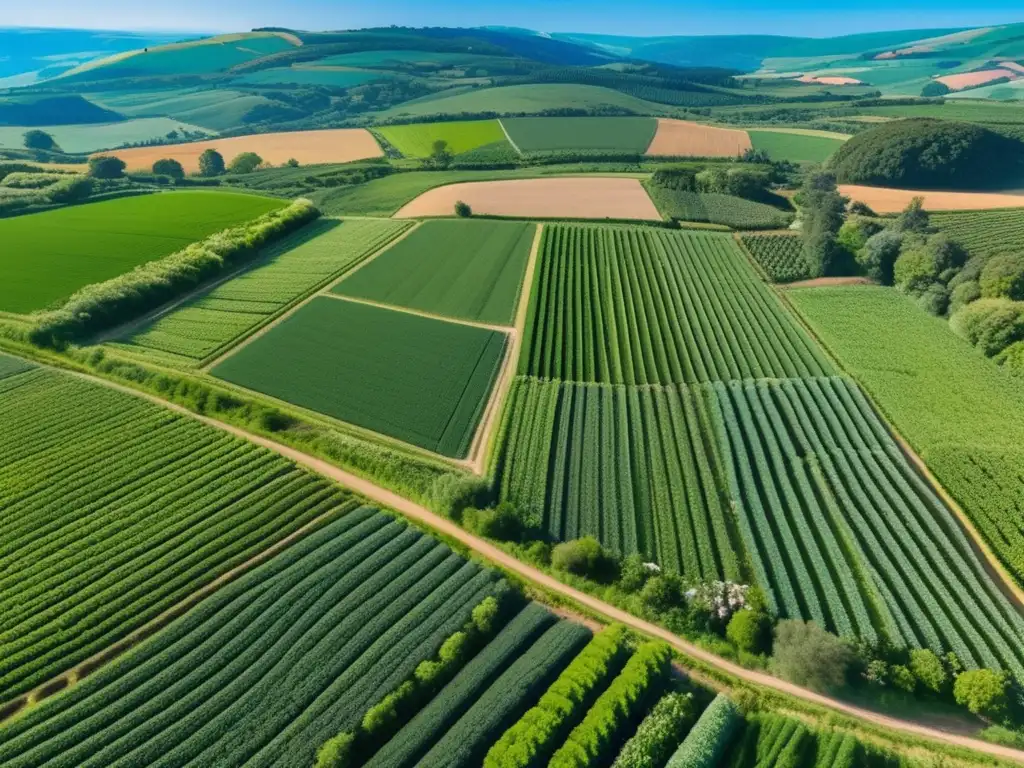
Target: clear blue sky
819, 18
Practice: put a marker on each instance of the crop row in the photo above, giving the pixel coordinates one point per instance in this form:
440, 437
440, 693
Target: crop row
983, 233
644, 306
780, 256
631, 466
840, 526
207, 324
772, 739
115, 509
270, 666
659, 734
717, 208
709, 739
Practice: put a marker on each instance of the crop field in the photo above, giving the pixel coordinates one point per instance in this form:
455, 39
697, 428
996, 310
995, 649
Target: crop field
716, 208
216, 110
984, 233
92, 554
48, 256
417, 140
630, 466
628, 305
886, 200
206, 325
274, 663
83, 139
680, 138
796, 148
334, 77
339, 145
551, 134
958, 410
415, 379
472, 270
387, 59
780, 256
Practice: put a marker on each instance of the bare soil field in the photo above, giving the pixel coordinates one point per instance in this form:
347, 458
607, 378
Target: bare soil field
308, 147
972, 79
683, 138
825, 282
830, 80
555, 198
886, 200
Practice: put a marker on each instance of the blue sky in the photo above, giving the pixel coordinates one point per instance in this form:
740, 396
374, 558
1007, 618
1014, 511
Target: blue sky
818, 18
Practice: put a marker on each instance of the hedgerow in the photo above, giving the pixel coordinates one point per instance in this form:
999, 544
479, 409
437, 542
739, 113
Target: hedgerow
659, 734
709, 739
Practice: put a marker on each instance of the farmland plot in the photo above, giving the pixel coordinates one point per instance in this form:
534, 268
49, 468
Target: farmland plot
716, 208
271, 665
840, 527
417, 140
413, 378
780, 256
984, 233
551, 134
48, 256
207, 324
630, 466
471, 270
636, 306
116, 509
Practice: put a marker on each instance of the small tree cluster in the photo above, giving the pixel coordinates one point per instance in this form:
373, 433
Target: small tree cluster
821, 214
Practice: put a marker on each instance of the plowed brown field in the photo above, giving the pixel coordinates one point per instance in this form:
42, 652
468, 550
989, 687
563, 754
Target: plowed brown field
887, 200
308, 147
680, 138
557, 198
972, 79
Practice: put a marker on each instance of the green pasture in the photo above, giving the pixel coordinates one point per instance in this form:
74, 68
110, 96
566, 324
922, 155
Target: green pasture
795, 148
551, 134
336, 78
417, 140
84, 139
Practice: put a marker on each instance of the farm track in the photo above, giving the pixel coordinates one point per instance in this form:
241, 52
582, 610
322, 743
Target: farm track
417, 312
488, 551
508, 136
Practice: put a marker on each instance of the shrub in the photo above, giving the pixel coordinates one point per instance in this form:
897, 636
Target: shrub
336, 752
681, 179
663, 592
710, 737
934, 299
615, 710
211, 163
822, 210
1012, 358
855, 232
292, 163
505, 522
928, 669
73, 189
486, 614
991, 325
807, 655
963, 294
633, 573
247, 162
914, 218
168, 167
934, 88
1003, 277
659, 734
902, 678
983, 691
878, 256
36, 139
106, 167
749, 630
462, 210
583, 557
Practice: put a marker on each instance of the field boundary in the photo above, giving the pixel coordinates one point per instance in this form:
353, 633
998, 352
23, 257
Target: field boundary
417, 312
993, 566
450, 531
508, 136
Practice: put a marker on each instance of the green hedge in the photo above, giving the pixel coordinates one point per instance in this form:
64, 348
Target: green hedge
710, 737
659, 734
531, 740
616, 710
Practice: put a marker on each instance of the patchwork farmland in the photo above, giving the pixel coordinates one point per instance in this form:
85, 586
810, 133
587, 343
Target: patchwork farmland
547, 134
418, 140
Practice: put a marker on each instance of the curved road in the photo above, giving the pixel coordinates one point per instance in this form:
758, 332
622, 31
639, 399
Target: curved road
389, 499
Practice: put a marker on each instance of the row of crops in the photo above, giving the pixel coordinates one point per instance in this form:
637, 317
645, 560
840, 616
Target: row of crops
643, 306
780, 256
668, 405
209, 323
984, 233
116, 509
717, 208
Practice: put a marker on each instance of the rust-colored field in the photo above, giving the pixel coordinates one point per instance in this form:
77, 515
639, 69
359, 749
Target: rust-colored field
887, 200
681, 138
308, 147
972, 79
555, 198
830, 80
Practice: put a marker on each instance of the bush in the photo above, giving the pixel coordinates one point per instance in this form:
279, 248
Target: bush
659, 734
963, 294
211, 163
336, 752
878, 256
710, 738
934, 88
106, 167
855, 232
749, 631
615, 710
74, 189
1012, 358
485, 615
462, 210
633, 573
822, 209
36, 139
1003, 277
663, 592
991, 325
247, 162
807, 655
583, 557
681, 179
105, 305
914, 218
929, 670
168, 167
984, 692
902, 678
504, 522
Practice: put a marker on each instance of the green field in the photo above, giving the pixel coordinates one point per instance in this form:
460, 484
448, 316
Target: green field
471, 270
386, 59
716, 208
335, 78
794, 147
278, 661
512, 99
216, 110
551, 134
204, 326
85, 139
419, 380
417, 140
958, 410
780, 256
984, 233
115, 509
48, 256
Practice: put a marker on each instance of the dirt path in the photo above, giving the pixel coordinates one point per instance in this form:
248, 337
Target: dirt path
509, 137
825, 282
388, 499
417, 312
